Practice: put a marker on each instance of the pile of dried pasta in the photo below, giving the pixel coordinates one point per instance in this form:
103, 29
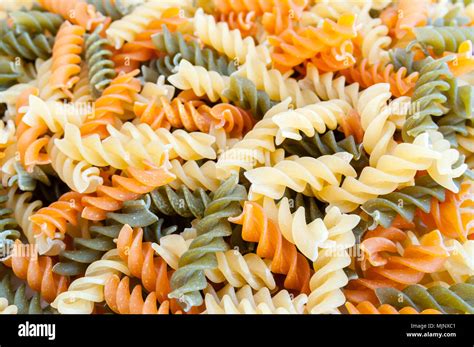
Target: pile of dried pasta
236, 156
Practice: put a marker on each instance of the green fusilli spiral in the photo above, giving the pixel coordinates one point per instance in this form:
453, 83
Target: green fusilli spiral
19, 298
443, 39
8, 229
101, 68
35, 21
174, 44
404, 202
14, 71
453, 17
456, 299
160, 67
243, 93
181, 202
189, 278
327, 144
26, 46
27, 181
109, 8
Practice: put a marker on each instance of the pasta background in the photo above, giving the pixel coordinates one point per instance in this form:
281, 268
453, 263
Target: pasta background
236, 157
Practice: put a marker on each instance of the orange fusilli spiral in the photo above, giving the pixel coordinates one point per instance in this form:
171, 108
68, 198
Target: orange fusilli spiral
122, 188
55, 217
67, 50
37, 271
335, 59
245, 22
453, 216
293, 47
194, 115
367, 75
120, 300
153, 271
115, 100
383, 267
367, 307
277, 21
77, 12
286, 260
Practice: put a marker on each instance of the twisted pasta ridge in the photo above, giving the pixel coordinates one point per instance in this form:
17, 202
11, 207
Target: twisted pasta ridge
18, 299
455, 299
232, 267
200, 81
404, 202
245, 22
367, 307
336, 58
22, 207
173, 43
453, 215
101, 67
113, 103
130, 185
190, 278
82, 91
181, 202
195, 176
46, 92
367, 74
128, 27
334, 10
428, 95
261, 6
257, 227
396, 169
310, 119
34, 21
7, 136
77, 12
37, 272
326, 87
110, 8
466, 146
51, 221
274, 83
414, 14
302, 174
293, 47
120, 300
66, 57
8, 234
244, 301
12, 73
243, 92
84, 292
372, 41
219, 36
310, 237
152, 271
443, 39
26, 46
420, 256
74, 262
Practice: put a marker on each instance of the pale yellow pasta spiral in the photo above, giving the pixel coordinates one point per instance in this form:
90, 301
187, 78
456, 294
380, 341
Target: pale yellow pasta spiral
374, 41
44, 75
193, 176
244, 301
7, 135
459, 266
83, 293
199, 80
5, 308
429, 151
306, 175
466, 146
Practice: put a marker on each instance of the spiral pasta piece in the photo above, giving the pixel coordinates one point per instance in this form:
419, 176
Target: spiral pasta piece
34, 21
120, 300
245, 22
66, 57
195, 176
199, 80
302, 174
257, 227
83, 293
77, 12
37, 271
228, 301
443, 39
373, 41
425, 153
26, 46
261, 6
413, 14
230, 42
128, 27
293, 47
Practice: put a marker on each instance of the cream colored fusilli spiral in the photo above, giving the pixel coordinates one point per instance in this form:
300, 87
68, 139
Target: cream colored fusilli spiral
193, 176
